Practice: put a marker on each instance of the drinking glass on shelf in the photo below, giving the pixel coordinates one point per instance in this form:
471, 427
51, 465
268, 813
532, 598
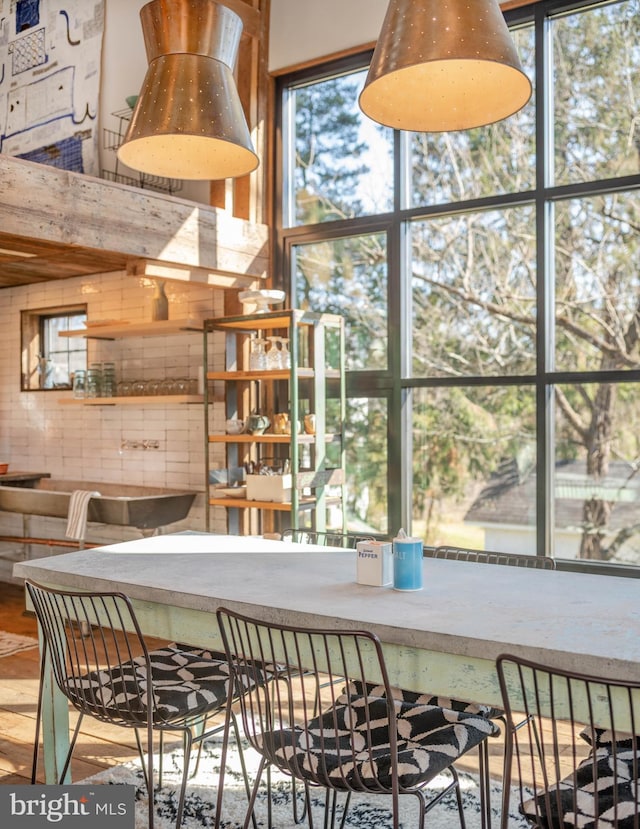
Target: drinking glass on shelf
285, 354
109, 385
94, 383
167, 386
138, 388
153, 387
124, 388
257, 355
274, 360
181, 385
79, 383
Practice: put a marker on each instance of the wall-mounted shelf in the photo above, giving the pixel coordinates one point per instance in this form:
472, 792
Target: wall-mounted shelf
121, 328
141, 400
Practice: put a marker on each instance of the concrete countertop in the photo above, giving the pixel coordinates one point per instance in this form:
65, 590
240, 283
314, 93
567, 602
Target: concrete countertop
587, 622
19, 477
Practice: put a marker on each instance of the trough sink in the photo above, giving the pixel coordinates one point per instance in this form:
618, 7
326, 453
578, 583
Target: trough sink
146, 508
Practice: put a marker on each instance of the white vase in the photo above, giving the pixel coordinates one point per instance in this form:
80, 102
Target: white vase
159, 303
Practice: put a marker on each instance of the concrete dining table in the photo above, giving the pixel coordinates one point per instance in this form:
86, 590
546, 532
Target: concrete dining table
444, 638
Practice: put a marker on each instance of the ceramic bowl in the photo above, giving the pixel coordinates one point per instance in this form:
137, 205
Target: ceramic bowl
234, 427
258, 302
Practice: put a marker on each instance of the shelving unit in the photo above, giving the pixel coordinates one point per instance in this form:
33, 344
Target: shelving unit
315, 382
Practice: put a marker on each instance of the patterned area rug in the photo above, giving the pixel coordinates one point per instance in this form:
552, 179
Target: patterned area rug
12, 643
365, 813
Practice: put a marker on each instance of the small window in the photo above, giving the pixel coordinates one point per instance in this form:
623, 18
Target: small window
49, 360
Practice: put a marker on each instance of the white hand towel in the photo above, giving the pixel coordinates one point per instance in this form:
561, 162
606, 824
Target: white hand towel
77, 515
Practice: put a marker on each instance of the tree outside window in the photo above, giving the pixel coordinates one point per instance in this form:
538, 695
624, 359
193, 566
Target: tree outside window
499, 271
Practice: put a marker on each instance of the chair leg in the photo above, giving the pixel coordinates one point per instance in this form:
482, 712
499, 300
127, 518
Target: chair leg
459, 798
143, 762
231, 720
187, 744
149, 774
484, 782
72, 745
297, 818
254, 793
36, 743
243, 765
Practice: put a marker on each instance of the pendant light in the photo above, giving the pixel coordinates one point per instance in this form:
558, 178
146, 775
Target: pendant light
442, 65
188, 121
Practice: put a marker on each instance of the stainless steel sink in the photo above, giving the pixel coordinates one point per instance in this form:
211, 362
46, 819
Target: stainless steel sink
146, 508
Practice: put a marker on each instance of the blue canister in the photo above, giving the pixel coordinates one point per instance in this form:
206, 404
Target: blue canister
407, 563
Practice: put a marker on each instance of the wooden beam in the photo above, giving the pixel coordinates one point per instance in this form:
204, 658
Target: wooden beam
154, 269
78, 212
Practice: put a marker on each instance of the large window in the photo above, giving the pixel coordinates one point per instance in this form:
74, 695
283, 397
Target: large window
490, 282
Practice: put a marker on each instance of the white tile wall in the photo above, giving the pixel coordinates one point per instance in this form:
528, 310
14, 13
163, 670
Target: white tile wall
84, 443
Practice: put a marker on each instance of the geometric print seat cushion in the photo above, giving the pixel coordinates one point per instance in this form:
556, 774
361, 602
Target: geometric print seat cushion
350, 742
184, 682
614, 793
418, 698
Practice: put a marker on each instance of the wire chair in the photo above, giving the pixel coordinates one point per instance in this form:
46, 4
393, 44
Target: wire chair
491, 557
364, 738
485, 557
325, 538
113, 677
576, 753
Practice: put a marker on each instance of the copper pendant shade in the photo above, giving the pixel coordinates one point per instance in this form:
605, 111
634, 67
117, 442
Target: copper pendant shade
442, 65
188, 122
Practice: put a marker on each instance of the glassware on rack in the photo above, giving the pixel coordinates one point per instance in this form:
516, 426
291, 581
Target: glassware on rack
285, 354
274, 358
109, 385
79, 383
94, 383
258, 355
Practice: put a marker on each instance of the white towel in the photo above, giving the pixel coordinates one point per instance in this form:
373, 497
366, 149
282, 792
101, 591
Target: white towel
77, 515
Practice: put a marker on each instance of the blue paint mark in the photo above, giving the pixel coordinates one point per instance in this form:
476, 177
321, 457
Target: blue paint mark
65, 154
27, 15
69, 41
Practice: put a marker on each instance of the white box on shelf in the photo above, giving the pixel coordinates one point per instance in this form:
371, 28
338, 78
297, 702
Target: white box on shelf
374, 563
269, 488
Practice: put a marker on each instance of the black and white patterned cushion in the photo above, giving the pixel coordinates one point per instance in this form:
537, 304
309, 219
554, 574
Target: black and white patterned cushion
604, 737
594, 803
417, 698
334, 747
185, 684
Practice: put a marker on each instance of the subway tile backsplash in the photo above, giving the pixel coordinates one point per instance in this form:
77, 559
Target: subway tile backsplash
85, 443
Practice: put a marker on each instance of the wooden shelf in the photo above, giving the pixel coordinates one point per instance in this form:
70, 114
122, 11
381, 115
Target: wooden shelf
271, 320
276, 374
268, 438
242, 503
143, 400
122, 328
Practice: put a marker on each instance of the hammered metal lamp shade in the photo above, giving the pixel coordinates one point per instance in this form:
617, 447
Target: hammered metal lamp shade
442, 65
188, 122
